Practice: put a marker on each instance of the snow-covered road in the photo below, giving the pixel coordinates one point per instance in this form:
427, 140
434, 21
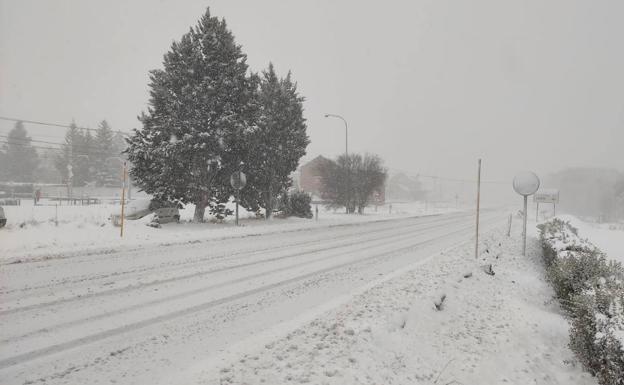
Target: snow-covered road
140, 316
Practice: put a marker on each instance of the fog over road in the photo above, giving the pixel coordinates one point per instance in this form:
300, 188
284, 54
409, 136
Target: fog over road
140, 316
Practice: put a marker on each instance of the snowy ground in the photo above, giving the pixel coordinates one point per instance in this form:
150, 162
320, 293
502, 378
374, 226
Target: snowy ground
157, 313
46, 231
501, 329
608, 237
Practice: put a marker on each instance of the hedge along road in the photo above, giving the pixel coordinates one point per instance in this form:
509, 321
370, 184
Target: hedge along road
134, 317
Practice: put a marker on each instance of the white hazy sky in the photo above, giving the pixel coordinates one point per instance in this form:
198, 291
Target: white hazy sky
429, 85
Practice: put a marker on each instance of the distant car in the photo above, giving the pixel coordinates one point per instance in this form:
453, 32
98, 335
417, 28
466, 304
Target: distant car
165, 212
137, 209
3, 219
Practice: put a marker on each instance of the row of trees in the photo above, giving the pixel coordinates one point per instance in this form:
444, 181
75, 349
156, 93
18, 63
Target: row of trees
18, 157
92, 158
351, 181
209, 117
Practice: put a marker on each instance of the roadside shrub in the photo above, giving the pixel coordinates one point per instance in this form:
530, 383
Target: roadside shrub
220, 211
576, 271
297, 204
597, 332
558, 235
591, 289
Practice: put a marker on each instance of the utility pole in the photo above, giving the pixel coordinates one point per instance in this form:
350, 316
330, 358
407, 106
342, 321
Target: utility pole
70, 171
123, 196
478, 203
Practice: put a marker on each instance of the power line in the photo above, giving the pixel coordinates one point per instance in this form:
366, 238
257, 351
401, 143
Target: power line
92, 147
60, 150
54, 124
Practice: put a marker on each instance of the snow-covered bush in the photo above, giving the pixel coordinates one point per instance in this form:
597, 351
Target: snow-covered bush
597, 332
297, 204
577, 271
572, 263
591, 289
557, 235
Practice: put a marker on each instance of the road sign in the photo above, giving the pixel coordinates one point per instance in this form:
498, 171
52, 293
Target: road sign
238, 180
546, 196
525, 183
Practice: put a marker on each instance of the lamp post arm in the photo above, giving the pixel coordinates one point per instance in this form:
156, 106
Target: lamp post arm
346, 131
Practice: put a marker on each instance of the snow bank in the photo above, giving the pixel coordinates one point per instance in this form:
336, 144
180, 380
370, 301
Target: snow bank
491, 329
48, 231
609, 237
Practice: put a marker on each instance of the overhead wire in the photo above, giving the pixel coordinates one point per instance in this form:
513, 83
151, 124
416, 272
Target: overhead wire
55, 124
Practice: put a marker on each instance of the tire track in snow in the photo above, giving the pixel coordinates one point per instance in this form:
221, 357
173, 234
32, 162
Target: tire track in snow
375, 242
71, 344
139, 286
173, 265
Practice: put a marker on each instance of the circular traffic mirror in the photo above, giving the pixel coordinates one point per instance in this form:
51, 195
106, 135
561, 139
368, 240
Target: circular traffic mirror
526, 183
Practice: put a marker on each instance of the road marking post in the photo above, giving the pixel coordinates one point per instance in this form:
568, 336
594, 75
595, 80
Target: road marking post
123, 196
478, 203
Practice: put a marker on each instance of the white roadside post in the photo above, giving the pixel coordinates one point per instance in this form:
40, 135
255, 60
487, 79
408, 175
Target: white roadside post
124, 175
525, 183
238, 180
478, 204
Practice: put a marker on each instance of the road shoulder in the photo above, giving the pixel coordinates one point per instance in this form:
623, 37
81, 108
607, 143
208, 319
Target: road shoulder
491, 329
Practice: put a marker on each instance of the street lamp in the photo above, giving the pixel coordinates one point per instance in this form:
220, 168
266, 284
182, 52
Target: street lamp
346, 153
346, 131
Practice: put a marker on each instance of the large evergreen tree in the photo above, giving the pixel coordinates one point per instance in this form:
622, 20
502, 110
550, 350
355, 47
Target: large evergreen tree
19, 156
201, 109
277, 142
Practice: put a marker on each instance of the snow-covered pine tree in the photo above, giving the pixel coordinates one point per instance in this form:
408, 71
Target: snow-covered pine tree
201, 107
20, 156
84, 171
70, 154
277, 142
106, 167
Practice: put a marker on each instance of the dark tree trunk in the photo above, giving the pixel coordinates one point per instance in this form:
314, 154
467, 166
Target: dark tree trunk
269, 204
200, 210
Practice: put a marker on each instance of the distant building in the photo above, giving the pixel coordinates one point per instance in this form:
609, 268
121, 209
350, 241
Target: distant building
309, 179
